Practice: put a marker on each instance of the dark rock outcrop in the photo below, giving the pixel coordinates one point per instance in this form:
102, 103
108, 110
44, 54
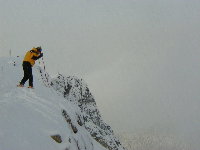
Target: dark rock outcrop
57, 138
76, 91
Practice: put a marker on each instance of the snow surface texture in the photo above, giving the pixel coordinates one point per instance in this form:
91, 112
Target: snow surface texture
61, 106
152, 141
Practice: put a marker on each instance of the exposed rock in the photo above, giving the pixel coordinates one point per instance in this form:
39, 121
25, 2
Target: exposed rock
76, 91
79, 120
57, 138
68, 119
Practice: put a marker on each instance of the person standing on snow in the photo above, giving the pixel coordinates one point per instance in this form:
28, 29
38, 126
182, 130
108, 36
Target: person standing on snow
28, 62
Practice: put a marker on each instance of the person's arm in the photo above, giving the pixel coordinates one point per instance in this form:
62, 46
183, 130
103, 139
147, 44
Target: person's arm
37, 57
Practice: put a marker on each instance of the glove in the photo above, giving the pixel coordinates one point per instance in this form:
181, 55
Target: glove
41, 55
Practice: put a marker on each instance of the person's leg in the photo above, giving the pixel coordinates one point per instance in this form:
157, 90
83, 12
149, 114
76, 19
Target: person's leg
30, 77
26, 73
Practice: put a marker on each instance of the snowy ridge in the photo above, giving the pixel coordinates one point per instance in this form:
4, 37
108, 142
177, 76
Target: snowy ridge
29, 118
76, 91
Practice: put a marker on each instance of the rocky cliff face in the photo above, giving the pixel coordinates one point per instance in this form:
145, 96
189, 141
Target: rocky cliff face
77, 91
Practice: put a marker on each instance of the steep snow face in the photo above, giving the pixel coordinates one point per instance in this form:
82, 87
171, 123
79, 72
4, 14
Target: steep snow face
29, 117
76, 91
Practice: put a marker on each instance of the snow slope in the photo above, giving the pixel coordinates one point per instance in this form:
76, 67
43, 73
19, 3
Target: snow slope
151, 140
29, 117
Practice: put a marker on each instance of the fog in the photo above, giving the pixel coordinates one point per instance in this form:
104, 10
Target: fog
139, 58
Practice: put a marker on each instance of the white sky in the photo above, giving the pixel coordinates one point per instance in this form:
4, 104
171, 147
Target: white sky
140, 58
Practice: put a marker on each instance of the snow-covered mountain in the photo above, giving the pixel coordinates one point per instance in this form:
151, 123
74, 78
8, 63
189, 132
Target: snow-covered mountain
149, 140
59, 114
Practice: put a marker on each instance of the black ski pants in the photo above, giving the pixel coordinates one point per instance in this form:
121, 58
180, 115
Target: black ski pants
27, 73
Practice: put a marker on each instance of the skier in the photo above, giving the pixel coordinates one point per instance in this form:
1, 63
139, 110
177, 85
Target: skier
28, 62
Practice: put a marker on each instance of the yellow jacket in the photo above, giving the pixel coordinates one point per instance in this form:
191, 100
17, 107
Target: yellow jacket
31, 55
